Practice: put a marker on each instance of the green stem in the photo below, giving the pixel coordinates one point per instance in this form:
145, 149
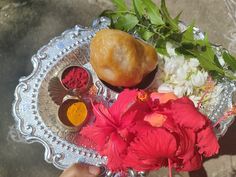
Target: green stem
146, 28
140, 25
125, 12
230, 76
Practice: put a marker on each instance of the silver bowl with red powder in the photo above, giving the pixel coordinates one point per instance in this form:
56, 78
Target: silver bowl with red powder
36, 114
76, 77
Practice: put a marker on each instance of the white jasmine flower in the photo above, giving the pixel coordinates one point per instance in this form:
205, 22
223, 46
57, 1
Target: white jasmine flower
189, 87
182, 73
179, 60
198, 79
179, 91
173, 63
195, 99
165, 88
193, 63
170, 66
170, 49
179, 75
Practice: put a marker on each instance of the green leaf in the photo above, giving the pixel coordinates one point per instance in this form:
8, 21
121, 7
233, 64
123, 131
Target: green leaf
138, 8
155, 25
183, 51
106, 13
188, 35
110, 14
166, 16
145, 34
162, 51
161, 47
209, 54
206, 58
206, 64
230, 60
120, 5
188, 45
205, 49
230, 75
203, 42
153, 12
176, 19
175, 38
216, 61
126, 22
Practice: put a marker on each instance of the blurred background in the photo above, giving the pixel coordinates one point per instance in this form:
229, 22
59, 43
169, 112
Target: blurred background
26, 25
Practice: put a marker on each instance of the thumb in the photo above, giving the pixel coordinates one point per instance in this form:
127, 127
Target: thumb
81, 170
93, 170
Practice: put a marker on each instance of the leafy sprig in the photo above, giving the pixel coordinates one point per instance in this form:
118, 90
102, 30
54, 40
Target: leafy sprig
155, 25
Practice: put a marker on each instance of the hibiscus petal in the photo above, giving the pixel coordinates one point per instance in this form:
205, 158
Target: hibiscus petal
155, 119
185, 114
99, 135
124, 101
207, 142
151, 150
115, 150
186, 150
131, 117
140, 127
84, 141
133, 161
192, 164
102, 115
163, 97
128, 119
171, 126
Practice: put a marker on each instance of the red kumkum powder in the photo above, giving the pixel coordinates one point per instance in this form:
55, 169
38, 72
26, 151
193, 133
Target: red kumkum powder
76, 78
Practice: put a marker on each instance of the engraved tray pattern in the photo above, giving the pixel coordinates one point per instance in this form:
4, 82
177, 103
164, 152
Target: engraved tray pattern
35, 113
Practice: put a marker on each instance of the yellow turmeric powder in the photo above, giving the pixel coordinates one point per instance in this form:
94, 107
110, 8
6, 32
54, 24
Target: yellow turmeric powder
77, 113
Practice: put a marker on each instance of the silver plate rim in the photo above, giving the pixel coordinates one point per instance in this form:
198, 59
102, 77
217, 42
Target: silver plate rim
28, 87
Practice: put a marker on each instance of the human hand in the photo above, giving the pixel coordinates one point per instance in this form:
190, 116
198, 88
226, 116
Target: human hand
81, 170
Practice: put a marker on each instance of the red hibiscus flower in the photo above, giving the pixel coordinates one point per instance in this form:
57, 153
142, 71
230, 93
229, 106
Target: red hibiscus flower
190, 130
148, 131
110, 131
151, 150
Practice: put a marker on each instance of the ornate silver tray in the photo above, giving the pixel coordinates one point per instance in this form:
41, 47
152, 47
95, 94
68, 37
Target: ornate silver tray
36, 114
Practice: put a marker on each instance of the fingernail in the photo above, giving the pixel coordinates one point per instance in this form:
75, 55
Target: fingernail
93, 170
